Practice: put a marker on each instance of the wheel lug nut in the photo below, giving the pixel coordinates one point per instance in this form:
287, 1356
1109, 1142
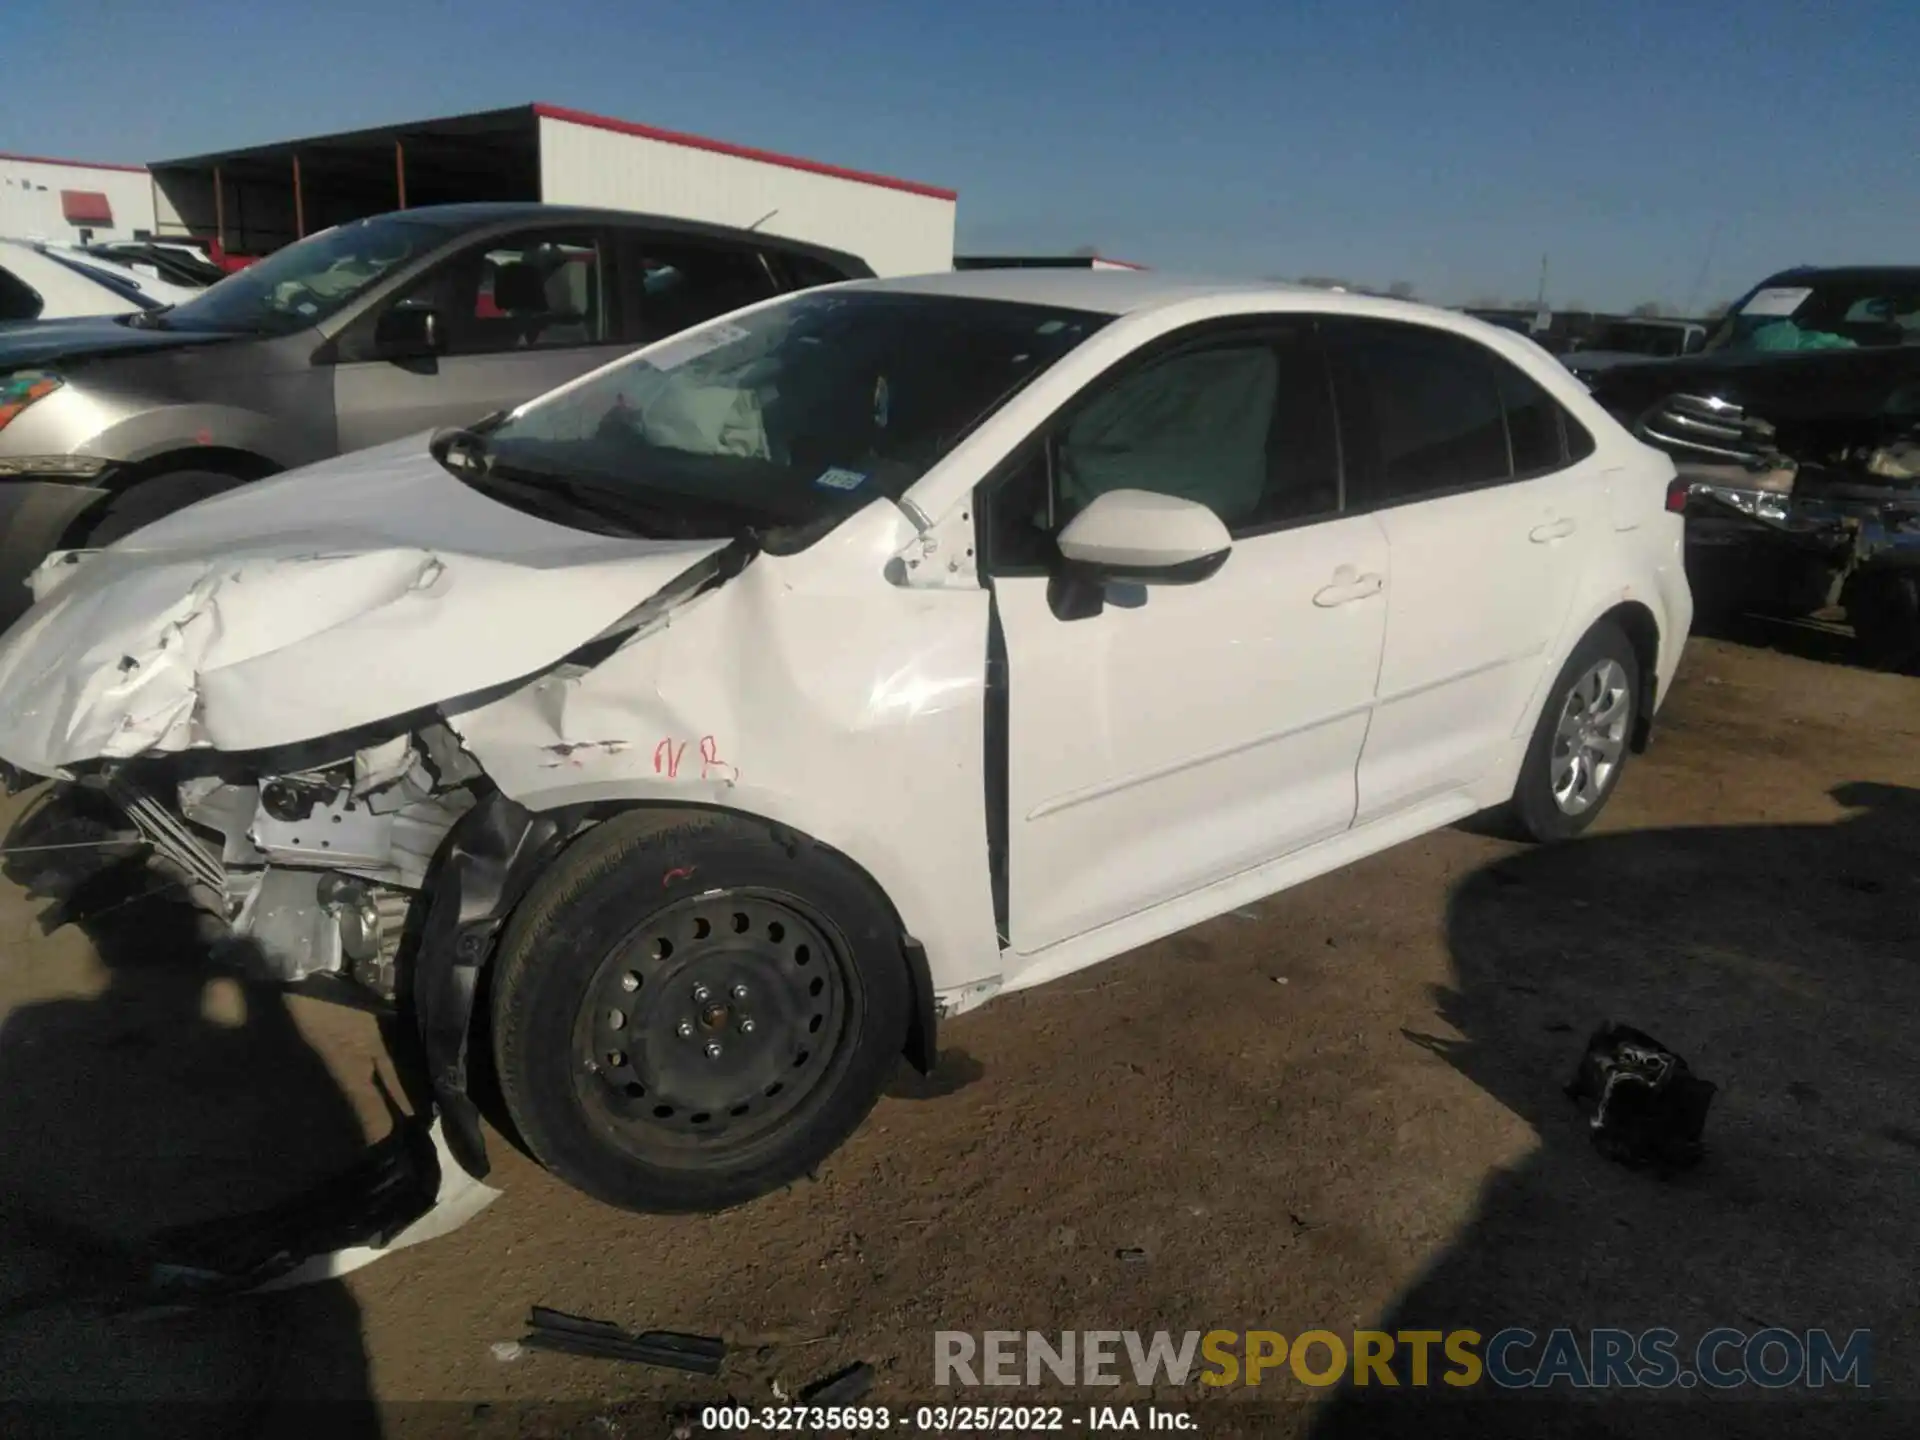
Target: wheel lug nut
700, 994
684, 1029
739, 992
746, 1027
713, 1049
629, 982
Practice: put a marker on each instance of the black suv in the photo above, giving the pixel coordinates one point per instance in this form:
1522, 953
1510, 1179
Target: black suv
1798, 425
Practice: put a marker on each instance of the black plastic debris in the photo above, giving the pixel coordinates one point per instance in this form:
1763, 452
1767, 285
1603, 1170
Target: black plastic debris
1648, 1107
575, 1335
843, 1387
389, 1188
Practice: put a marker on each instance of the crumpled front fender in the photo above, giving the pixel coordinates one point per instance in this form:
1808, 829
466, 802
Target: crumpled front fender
492, 856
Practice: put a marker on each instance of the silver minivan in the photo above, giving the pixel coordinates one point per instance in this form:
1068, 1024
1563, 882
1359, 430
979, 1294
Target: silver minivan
363, 333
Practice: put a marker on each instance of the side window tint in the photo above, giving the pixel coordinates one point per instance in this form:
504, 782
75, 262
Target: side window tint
1303, 450
1580, 442
1419, 412
1244, 426
1019, 514
1194, 425
668, 285
524, 292
804, 271
1533, 420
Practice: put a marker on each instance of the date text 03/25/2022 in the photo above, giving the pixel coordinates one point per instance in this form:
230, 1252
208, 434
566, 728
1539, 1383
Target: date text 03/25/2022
940, 1419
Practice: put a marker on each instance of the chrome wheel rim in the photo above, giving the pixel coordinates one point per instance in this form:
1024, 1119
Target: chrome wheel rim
1591, 737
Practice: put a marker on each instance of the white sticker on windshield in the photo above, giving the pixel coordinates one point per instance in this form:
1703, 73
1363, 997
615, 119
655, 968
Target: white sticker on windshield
1781, 301
676, 353
834, 478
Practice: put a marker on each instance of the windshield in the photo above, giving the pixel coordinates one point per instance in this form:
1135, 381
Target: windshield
309, 280
1823, 315
790, 416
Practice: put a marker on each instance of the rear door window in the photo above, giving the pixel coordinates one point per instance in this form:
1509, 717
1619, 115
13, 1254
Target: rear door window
1533, 420
1420, 412
668, 284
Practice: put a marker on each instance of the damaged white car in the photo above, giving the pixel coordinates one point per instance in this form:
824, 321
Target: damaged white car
700, 734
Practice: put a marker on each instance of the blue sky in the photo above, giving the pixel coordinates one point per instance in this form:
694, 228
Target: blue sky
1448, 143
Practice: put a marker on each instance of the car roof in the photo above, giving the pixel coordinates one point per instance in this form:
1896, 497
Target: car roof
1850, 274
1100, 292
486, 214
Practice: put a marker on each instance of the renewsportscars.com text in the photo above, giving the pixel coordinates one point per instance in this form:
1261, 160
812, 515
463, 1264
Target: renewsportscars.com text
1509, 1358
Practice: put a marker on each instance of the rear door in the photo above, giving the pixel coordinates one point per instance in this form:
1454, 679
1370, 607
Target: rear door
520, 314
1490, 513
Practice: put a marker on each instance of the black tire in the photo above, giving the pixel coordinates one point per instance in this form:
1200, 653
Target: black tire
1883, 606
1537, 812
153, 498
808, 1005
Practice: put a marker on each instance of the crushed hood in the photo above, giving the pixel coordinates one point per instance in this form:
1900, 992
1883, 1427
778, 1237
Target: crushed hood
322, 600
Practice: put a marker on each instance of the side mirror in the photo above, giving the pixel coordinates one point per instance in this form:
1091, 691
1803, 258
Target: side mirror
1134, 538
1147, 538
408, 332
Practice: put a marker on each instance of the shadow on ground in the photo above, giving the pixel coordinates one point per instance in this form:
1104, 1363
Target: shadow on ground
1782, 962
167, 1097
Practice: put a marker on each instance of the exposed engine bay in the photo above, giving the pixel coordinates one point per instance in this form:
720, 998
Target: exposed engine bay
1834, 508
315, 869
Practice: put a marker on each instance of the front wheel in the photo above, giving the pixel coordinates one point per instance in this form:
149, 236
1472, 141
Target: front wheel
1580, 744
155, 498
691, 1011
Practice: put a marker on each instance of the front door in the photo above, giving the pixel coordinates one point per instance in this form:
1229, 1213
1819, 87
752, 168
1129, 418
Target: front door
520, 315
1184, 733
1490, 514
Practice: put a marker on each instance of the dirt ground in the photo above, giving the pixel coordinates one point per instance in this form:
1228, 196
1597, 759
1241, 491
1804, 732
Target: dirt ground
1340, 1108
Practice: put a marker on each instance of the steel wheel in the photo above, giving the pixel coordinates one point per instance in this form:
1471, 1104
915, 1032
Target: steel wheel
1591, 736
711, 1023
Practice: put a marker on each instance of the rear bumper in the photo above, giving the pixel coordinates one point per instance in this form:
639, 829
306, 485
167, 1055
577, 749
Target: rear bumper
1675, 619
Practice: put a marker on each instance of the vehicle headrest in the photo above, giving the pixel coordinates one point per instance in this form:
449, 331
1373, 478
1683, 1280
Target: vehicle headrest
517, 287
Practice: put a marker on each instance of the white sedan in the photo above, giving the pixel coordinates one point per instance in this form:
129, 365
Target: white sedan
53, 282
742, 709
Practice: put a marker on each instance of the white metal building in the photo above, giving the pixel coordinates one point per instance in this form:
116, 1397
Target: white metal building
257, 199
68, 200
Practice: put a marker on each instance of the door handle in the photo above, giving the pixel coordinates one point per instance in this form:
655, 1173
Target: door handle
1553, 530
1348, 586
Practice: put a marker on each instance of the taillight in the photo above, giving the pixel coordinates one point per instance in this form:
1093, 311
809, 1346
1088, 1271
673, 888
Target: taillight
1677, 496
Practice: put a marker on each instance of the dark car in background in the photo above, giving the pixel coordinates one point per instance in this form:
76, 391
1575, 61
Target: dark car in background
1798, 426
357, 335
1608, 341
175, 262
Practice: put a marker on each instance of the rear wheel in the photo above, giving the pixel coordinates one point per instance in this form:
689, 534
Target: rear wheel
1580, 744
690, 1011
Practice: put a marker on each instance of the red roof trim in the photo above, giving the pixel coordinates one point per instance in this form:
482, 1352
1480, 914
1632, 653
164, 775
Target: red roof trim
73, 164
85, 207
743, 152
